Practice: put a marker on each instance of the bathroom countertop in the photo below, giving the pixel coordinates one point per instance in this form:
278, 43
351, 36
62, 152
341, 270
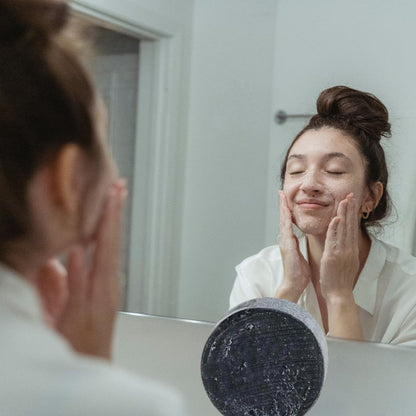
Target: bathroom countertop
363, 378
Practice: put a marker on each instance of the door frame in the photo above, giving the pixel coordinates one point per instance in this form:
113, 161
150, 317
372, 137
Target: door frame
157, 191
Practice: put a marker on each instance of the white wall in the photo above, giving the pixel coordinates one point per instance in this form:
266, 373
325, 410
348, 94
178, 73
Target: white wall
227, 155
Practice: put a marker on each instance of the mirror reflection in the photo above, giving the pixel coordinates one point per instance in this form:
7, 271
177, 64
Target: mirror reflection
246, 61
334, 179
115, 65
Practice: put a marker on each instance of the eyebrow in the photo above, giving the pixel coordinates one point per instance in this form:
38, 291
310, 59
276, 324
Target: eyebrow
328, 156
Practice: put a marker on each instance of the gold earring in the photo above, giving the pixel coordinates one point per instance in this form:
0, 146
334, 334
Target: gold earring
365, 215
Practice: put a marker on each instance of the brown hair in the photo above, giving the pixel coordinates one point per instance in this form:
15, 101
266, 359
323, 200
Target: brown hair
46, 100
364, 118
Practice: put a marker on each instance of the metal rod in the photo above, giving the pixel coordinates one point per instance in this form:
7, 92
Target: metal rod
281, 116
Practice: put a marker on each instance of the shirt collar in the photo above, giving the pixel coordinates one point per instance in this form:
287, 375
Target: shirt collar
365, 291
19, 295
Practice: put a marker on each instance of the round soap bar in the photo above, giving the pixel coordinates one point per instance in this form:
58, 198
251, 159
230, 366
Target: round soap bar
266, 357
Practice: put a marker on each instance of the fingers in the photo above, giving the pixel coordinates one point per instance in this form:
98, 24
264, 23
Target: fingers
109, 231
52, 287
352, 226
296, 268
93, 282
73, 316
286, 228
77, 267
343, 229
107, 245
84, 278
341, 254
332, 235
285, 215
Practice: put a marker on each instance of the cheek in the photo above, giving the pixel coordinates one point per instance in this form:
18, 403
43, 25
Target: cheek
290, 189
95, 201
355, 187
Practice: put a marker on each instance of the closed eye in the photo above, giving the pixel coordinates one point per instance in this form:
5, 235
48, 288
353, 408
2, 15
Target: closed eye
335, 172
296, 172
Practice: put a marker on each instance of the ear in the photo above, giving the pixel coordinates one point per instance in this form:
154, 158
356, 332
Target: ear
376, 192
67, 179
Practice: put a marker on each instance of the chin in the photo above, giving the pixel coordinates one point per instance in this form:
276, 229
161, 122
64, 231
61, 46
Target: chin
312, 226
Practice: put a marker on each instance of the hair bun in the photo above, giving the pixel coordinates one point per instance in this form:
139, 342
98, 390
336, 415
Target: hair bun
358, 110
20, 17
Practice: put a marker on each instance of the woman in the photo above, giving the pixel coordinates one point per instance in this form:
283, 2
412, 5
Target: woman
60, 196
334, 180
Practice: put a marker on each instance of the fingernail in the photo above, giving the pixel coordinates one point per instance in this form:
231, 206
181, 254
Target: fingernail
122, 183
119, 184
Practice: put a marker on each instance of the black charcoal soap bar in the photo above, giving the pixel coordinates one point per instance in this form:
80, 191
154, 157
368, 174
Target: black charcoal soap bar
266, 357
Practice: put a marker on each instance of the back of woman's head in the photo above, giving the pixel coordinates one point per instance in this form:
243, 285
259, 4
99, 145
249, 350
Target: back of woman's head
364, 118
46, 100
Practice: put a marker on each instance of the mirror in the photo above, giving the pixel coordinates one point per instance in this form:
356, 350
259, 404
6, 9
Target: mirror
212, 76
115, 66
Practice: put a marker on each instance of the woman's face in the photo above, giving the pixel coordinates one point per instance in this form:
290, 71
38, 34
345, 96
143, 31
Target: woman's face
323, 167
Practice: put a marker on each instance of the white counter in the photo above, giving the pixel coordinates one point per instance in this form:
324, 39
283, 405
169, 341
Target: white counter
363, 378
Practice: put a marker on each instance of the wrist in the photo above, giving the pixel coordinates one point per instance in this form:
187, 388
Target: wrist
289, 293
343, 317
340, 301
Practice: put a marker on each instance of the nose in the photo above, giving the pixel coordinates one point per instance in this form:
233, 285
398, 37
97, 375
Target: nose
311, 183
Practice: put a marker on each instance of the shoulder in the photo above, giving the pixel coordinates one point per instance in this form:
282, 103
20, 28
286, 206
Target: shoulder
268, 255
112, 390
257, 276
76, 384
264, 266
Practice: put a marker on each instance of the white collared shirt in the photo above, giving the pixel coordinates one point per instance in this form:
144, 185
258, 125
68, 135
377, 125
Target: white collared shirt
42, 376
385, 292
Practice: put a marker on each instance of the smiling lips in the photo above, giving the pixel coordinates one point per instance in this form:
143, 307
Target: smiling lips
311, 203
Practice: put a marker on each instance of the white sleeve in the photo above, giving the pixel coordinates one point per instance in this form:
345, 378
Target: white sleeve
258, 276
119, 393
154, 399
243, 289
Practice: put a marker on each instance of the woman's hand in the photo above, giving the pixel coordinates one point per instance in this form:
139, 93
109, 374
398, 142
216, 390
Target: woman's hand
52, 286
297, 272
85, 306
339, 270
340, 260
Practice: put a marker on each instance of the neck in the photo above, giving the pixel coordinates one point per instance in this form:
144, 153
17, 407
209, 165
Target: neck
316, 245
26, 259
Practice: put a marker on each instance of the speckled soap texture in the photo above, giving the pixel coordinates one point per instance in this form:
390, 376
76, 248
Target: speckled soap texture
266, 357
